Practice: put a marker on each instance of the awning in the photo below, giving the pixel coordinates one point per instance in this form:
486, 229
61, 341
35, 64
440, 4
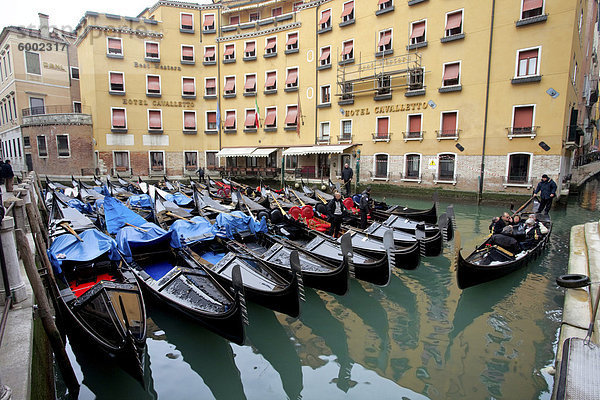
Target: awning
271, 42
386, 38
418, 30
332, 149
230, 84
292, 76
250, 46
209, 52
209, 20
325, 53
454, 21
451, 71
262, 152
236, 151
292, 39
348, 8
250, 82
532, 4
228, 50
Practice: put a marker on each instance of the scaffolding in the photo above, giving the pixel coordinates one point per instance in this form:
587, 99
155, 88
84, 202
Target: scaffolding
382, 72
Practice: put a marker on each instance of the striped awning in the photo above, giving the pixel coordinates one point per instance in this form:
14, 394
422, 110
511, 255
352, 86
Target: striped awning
236, 151
264, 152
330, 149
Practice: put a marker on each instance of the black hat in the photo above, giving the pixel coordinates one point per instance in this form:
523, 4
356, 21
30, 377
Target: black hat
545, 176
368, 189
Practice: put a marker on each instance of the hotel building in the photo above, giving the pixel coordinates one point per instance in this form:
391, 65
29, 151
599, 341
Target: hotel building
459, 94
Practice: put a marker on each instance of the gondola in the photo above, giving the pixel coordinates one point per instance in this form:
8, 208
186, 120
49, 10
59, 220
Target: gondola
98, 298
171, 277
382, 212
489, 261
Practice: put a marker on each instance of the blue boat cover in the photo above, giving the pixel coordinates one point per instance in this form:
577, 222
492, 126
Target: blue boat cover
140, 200
179, 198
81, 206
68, 247
186, 232
148, 234
236, 222
117, 215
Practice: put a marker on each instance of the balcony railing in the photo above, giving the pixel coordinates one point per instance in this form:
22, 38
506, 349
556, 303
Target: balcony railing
411, 177
413, 136
381, 137
345, 138
323, 140
61, 109
529, 132
518, 180
447, 134
443, 178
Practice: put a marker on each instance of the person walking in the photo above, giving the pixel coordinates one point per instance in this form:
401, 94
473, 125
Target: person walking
200, 173
1, 172
364, 207
347, 175
547, 189
335, 214
9, 175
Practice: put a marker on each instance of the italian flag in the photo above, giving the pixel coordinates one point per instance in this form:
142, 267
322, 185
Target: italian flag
256, 113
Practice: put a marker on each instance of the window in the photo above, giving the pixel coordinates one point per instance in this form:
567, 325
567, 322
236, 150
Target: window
518, 168
292, 78
523, 120
114, 47
188, 86
187, 54
326, 94
271, 117
8, 60
18, 144
26, 142
118, 118
209, 22
348, 11
189, 121
41, 144
229, 53
209, 54
254, 16
385, 4
229, 88
74, 73
413, 166
415, 79
117, 82
575, 73
417, 32
532, 8
325, 21
346, 130
451, 74
291, 162
230, 120
384, 85
154, 120
211, 159
325, 58
250, 85
250, 49
152, 85
580, 24
292, 41
383, 124
271, 81
32, 63
62, 145
190, 158
187, 22
37, 105
527, 62
277, 11
210, 87
291, 116
446, 164
348, 91
385, 41
77, 107
381, 166
152, 51
324, 131
348, 50
121, 160
271, 46
211, 120
234, 20
449, 122
251, 121
454, 23
157, 160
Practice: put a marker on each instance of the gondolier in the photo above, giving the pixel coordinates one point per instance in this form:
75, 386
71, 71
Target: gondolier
335, 213
365, 207
547, 187
347, 175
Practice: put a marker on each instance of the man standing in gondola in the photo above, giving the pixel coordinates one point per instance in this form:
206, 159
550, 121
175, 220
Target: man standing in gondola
364, 207
335, 214
200, 173
347, 175
547, 187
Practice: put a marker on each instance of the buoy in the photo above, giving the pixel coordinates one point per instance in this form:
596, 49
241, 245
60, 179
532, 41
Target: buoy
296, 185
323, 187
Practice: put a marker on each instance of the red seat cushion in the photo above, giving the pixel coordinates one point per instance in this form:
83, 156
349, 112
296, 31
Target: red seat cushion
307, 212
349, 203
295, 212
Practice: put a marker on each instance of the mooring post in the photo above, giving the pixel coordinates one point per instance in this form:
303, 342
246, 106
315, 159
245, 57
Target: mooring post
8, 250
19, 208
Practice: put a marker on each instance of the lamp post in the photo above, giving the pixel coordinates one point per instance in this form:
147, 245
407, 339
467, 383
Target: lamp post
357, 170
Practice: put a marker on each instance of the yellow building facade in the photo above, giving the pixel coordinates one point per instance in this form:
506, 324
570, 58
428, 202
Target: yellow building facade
410, 92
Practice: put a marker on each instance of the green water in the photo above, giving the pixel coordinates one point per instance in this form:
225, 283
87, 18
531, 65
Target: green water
418, 338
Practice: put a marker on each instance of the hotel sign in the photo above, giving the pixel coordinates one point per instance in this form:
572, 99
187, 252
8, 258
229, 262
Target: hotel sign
156, 66
158, 103
387, 109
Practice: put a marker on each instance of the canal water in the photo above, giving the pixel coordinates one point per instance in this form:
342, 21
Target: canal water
418, 338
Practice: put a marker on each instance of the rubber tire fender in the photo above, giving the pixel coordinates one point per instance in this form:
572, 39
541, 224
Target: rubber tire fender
572, 281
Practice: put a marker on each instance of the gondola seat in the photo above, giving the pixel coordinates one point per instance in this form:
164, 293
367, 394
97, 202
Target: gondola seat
350, 205
309, 217
295, 212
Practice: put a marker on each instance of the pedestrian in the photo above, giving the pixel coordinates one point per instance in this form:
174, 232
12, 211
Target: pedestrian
547, 187
200, 173
365, 207
9, 175
335, 214
1, 172
347, 175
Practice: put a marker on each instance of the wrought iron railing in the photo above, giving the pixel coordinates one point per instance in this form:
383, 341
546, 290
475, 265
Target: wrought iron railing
59, 109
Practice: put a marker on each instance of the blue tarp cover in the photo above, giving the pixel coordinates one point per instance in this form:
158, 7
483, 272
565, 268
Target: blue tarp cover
117, 215
68, 247
230, 224
81, 206
185, 232
148, 234
179, 198
141, 201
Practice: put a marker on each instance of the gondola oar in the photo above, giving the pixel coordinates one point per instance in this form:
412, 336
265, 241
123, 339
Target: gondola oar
67, 227
278, 205
298, 197
136, 227
524, 205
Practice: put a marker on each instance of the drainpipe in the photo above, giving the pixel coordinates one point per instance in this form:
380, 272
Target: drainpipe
487, 98
317, 75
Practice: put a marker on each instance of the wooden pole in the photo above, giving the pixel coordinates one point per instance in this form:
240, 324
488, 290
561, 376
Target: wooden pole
58, 346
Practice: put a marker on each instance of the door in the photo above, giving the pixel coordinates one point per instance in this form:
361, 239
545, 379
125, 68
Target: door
323, 165
29, 162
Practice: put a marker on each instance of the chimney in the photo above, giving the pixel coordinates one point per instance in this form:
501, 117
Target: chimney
44, 28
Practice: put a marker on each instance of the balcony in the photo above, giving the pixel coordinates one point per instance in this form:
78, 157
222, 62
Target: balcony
56, 115
323, 140
447, 134
445, 178
267, 23
381, 137
529, 132
518, 181
413, 136
347, 138
414, 176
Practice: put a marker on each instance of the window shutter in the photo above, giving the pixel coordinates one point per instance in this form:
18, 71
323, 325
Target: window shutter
189, 120
292, 115
414, 123
154, 119
523, 117
118, 118
382, 126
418, 30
